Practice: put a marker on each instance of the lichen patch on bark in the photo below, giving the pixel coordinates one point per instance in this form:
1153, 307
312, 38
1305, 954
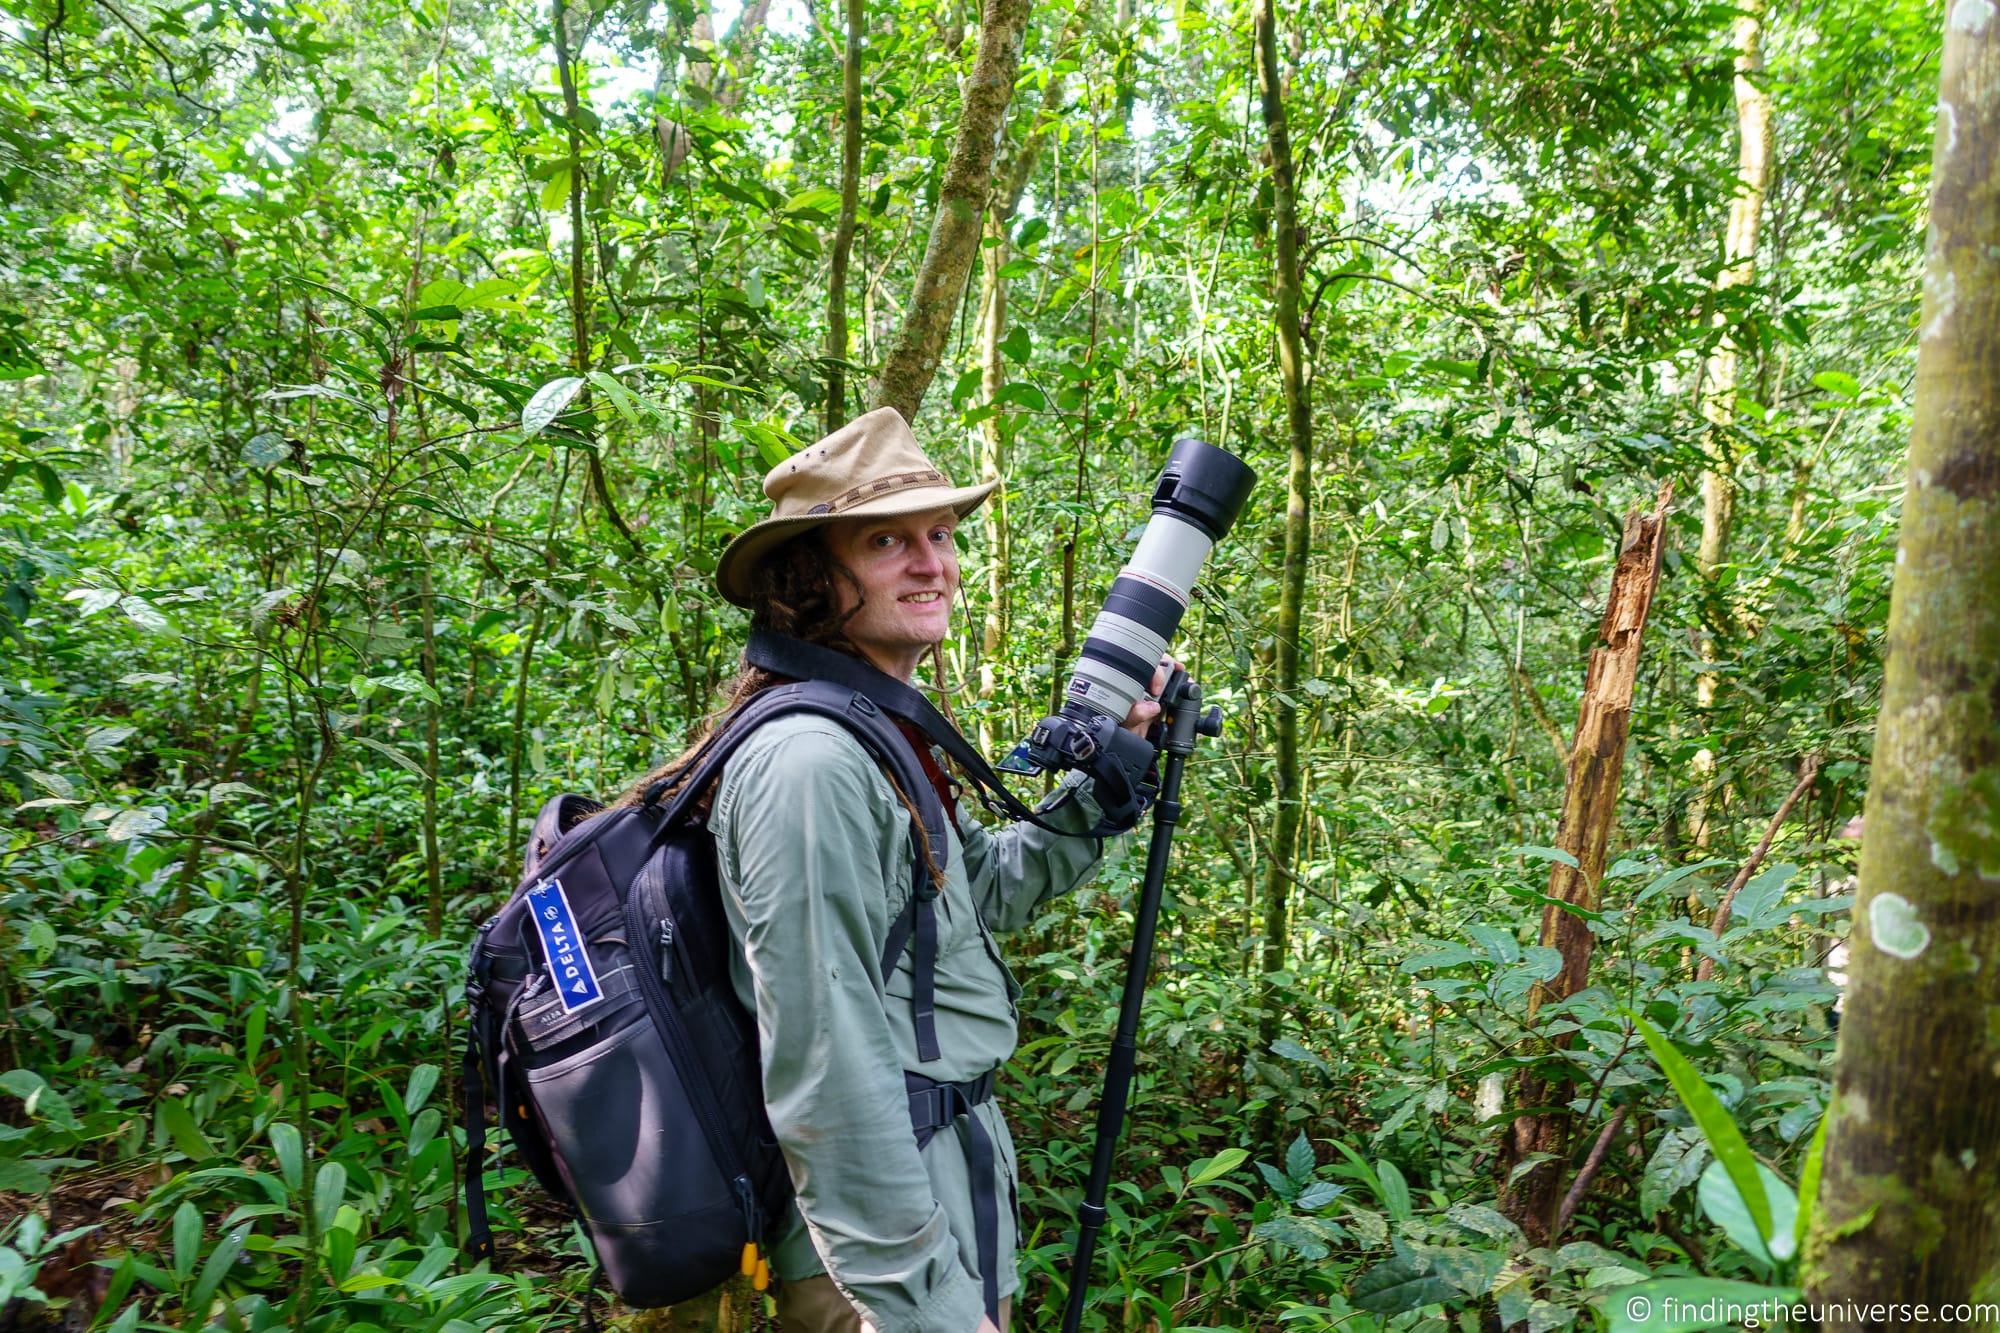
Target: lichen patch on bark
1894, 927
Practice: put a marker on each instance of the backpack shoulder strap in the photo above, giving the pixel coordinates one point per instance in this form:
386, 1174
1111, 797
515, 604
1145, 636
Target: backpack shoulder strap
916, 924
861, 717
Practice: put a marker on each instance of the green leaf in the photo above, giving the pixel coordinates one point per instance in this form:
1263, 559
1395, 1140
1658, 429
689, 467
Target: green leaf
1317, 1195
129, 824
1543, 854
1401, 1283
1485, 1221
40, 940
253, 1030
180, 1125
220, 1261
548, 403
1300, 1158
1676, 1164
329, 1186
1288, 1049
1203, 1170
487, 292
99, 739
186, 1240
422, 1079
1839, 383
1017, 346
440, 291
1395, 1191
285, 1141
423, 1129
823, 203
1683, 1304
1809, 1184
265, 449
382, 747
1769, 1241
555, 194
1024, 396
620, 396
1724, 1139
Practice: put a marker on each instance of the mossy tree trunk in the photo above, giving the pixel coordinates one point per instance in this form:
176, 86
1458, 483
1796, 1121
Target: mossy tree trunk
843, 236
961, 213
1909, 1205
1292, 373
1720, 377
1011, 182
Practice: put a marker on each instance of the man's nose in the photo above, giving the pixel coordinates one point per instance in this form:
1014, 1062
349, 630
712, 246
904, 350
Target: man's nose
927, 559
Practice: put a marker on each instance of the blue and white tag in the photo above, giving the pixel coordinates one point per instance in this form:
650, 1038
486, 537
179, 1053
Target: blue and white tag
562, 944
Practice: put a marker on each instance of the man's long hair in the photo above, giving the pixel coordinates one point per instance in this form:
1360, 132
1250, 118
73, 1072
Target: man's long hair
793, 593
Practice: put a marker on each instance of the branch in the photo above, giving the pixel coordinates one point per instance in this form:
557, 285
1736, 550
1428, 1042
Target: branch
1577, 1187
1808, 774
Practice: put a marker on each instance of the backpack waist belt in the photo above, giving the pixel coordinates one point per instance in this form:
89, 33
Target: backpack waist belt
936, 1105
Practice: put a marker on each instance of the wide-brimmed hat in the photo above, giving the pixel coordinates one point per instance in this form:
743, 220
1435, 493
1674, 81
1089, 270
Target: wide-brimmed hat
869, 468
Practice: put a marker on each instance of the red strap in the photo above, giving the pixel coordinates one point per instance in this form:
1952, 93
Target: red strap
922, 745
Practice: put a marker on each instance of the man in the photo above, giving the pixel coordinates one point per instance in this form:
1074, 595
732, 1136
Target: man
815, 855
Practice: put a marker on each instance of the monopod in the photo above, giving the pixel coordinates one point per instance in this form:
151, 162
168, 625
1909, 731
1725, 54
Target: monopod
1184, 721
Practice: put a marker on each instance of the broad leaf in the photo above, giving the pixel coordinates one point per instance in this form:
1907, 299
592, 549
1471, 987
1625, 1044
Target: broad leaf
548, 403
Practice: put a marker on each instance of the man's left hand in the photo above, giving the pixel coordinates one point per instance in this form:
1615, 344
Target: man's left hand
1147, 710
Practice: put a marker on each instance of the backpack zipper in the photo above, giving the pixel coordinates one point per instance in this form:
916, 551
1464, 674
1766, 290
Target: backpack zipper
693, 1079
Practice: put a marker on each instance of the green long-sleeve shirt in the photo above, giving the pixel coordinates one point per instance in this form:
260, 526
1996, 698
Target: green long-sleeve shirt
814, 850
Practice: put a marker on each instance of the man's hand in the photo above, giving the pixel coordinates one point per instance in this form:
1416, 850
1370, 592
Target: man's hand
1147, 711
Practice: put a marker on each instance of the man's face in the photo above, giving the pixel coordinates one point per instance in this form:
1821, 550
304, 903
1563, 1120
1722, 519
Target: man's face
908, 571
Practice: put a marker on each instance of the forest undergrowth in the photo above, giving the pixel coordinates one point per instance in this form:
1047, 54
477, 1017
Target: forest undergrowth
380, 383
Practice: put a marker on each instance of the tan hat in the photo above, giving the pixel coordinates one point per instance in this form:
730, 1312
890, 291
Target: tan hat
869, 468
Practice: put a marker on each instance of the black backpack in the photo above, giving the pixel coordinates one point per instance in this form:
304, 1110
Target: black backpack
605, 1029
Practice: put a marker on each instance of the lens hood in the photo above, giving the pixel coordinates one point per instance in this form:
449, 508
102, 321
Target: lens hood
1205, 485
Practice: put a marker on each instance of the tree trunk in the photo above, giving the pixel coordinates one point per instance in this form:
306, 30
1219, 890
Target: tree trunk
843, 236
675, 141
1012, 182
1292, 373
1590, 812
993, 466
968, 179
1909, 1205
1720, 377
433, 861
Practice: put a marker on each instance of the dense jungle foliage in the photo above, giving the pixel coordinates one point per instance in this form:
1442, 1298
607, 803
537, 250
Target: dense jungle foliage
381, 382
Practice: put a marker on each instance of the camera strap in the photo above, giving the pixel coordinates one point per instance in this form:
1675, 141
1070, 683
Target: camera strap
809, 661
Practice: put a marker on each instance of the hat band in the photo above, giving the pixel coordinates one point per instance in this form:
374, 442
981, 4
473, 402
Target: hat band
873, 490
